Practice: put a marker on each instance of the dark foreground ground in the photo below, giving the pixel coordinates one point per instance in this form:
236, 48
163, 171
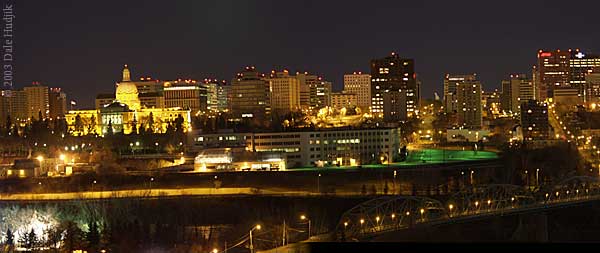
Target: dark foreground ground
202, 224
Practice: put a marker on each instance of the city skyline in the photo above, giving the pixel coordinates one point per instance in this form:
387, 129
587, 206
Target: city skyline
284, 126
178, 46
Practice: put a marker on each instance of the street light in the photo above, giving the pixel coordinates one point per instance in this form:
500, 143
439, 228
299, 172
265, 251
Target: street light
395, 172
257, 227
319, 183
537, 174
40, 159
422, 211
472, 172
303, 217
215, 250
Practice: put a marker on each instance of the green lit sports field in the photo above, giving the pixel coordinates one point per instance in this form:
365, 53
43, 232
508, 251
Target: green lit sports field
425, 156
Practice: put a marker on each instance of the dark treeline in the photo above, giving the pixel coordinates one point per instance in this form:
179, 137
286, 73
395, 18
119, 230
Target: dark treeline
173, 225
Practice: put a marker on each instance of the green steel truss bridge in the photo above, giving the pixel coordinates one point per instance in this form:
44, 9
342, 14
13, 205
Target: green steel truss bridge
392, 213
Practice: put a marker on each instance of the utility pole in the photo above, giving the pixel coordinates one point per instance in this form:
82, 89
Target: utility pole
283, 234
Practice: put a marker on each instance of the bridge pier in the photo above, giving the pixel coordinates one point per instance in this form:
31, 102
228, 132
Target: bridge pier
532, 227
541, 225
498, 228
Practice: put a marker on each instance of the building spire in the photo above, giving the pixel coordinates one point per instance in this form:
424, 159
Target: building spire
126, 74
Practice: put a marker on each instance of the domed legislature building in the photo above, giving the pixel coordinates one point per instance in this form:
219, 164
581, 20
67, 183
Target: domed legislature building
126, 114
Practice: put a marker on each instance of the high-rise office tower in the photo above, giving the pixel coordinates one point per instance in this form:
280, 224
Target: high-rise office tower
553, 69
5, 107
315, 93
534, 120
37, 101
57, 103
535, 79
515, 91
250, 95
186, 94
18, 106
359, 84
324, 90
150, 92
285, 92
451, 83
212, 94
308, 90
223, 96
580, 65
341, 100
468, 104
394, 106
393, 74
592, 87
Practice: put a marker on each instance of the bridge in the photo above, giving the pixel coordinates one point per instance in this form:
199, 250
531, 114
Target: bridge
392, 213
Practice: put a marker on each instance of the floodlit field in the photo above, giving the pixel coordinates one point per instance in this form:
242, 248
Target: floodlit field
425, 156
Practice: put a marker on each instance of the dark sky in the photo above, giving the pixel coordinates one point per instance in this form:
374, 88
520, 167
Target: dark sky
82, 45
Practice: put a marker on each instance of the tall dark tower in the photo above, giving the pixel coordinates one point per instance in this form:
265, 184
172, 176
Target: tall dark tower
394, 75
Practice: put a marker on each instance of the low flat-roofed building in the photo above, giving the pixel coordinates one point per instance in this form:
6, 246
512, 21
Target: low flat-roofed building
237, 159
337, 146
24, 168
567, 96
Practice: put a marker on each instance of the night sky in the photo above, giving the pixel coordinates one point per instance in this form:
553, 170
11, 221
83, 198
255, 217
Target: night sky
82, 45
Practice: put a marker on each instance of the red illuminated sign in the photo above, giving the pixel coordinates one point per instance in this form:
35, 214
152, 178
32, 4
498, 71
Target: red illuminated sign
546, 54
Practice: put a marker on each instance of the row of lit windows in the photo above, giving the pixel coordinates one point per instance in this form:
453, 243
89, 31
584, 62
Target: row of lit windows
343, 148
384, 70
286, 150
349, 134
277, 143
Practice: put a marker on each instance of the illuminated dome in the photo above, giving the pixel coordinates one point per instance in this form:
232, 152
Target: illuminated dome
127, 88
127, 93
